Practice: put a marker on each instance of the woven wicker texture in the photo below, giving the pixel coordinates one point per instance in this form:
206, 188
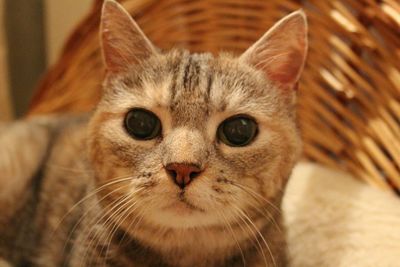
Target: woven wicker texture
349, 97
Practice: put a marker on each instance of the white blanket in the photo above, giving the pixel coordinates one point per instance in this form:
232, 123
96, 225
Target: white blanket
335, 220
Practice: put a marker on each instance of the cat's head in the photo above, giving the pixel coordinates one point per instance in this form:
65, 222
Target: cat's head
191, 140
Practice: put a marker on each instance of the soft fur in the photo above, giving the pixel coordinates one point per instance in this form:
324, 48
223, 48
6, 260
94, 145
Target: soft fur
333, 220
95, 196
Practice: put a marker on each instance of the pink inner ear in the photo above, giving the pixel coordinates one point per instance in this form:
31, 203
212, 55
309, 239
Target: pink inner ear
285, 70
123, 43
281, 52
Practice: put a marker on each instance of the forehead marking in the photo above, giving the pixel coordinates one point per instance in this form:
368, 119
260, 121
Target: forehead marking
186, 73
190, 102
175, 68
209, 85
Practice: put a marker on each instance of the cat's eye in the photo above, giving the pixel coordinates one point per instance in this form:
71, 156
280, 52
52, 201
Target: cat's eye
239, 130
142, 124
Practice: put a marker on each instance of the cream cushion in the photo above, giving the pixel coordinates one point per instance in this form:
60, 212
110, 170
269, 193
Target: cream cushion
334, 220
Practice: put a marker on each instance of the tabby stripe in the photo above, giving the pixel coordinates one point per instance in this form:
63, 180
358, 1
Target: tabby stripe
186, 72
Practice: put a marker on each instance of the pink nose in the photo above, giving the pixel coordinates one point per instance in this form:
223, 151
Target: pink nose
182, 173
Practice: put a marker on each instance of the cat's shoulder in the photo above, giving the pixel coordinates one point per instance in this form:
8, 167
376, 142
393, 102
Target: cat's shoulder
27, 145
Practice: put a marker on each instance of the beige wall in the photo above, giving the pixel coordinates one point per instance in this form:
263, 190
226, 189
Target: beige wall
5, 104
61, 17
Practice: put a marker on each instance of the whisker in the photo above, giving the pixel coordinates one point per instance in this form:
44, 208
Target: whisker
88, 211
258, 232
86, 231
123, 202
260, 198
256, 195
96, 221
91, 194
253, 234
140, 216
228, 225
267, 215
113, 224
129, 211
84, 215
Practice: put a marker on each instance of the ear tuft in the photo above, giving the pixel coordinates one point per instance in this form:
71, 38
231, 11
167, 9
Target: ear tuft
280, 53
123, 42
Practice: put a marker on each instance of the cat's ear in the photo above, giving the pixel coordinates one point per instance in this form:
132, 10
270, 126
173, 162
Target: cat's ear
280, 53
123, 42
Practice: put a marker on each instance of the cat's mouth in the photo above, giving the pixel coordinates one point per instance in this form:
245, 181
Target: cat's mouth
191, 206
183, 199
183, 205
183, 208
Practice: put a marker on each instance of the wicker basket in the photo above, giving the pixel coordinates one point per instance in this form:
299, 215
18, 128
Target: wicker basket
349, 104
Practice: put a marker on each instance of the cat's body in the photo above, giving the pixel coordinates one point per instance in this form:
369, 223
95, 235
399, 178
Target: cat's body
46, 224
194, 179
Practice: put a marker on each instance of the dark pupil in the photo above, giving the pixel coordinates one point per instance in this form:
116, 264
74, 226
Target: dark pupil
239, 131
142, 124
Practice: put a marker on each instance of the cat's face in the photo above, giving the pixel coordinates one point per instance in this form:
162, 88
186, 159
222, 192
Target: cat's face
194, 140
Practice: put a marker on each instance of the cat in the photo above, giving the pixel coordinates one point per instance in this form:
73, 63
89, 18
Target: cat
182, 163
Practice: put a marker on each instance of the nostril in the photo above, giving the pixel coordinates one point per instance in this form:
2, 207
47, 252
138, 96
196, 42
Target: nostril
193, 175
182, 173
172, 173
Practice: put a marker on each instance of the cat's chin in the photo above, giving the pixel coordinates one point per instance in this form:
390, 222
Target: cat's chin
183, 208
182, 215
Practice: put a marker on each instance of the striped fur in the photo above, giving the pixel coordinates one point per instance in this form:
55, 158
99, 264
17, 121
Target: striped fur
81, 192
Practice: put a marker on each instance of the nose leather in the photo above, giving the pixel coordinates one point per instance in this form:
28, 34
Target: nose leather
182, 173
